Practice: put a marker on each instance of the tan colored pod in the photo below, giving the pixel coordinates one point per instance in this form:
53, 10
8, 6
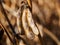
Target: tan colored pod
19, 25
29, 3
15, 14
28, 33
31, 23
9, 9
40, 27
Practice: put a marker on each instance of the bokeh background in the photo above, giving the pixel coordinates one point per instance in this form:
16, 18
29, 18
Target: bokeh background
45, 12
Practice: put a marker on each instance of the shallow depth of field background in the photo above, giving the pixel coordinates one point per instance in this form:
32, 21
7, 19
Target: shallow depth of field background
46, 13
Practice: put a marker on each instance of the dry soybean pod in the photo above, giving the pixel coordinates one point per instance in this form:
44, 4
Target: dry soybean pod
15, 14
40, 28
18, 25
31, 23
10, 10
19, 20
25, 26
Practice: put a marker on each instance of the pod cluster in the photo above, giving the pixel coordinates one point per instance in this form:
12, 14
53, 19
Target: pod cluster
24, 19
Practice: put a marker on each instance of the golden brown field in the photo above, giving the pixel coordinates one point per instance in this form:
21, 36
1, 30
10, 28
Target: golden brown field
29, 22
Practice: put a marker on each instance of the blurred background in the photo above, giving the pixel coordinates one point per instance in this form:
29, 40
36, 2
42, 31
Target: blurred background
45, 12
